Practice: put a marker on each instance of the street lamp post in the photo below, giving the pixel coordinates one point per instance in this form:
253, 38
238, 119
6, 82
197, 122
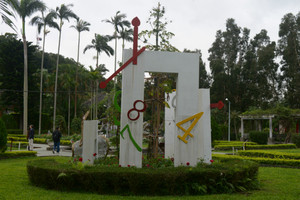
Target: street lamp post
228, 118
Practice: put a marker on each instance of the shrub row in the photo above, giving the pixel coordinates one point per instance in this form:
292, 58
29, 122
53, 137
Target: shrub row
275, 146
265, 161
233, 143
15, 131
269, 154
219, 177
17, 154
296, 139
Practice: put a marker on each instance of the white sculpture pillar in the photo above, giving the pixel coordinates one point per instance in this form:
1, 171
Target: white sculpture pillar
90, 128
170, 125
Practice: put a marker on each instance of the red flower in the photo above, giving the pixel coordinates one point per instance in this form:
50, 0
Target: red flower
94, 154
80, 159
148, 165
187, 163
211, 161
120, 165
163, 156
172, 159
74, 159
128, 165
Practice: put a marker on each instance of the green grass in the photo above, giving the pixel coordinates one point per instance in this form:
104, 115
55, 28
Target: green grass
276, 183
274, 150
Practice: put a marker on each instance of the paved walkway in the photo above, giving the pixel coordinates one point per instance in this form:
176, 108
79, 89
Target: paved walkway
41, 150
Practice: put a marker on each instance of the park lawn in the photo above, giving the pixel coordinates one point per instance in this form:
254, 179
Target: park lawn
276, 183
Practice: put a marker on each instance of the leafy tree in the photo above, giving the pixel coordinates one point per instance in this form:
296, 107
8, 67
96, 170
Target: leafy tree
79, 27
43, 22
6, 14
289, 50
3, 137
25, 8
158, 30
63, 13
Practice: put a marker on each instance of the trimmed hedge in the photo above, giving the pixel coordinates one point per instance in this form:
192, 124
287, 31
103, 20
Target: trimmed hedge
296, 139
17, 154
269, 154
259, 137
219, 177
24, 139
265, 161
248, 147
233, 143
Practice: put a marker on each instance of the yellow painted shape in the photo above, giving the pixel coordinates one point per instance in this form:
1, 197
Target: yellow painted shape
187, 132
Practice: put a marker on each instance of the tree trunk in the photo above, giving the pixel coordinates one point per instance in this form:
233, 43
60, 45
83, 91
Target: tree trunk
56, 75
25, 89
41, 83
69, 113
76, 78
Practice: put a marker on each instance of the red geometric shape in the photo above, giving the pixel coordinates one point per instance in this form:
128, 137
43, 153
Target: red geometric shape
135, 22
137, 110
218, 105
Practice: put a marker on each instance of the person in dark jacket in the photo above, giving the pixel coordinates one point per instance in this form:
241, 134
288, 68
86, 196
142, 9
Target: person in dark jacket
30, 138
56, 139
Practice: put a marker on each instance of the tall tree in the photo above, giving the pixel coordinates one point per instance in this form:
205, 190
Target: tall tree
42, 23
289, 50
64, 13
100, 44
119, 23
79, 27
25, 8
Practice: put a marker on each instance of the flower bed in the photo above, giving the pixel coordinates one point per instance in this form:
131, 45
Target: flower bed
218, 177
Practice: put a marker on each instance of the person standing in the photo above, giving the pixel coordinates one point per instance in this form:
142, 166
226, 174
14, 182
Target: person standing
30, 138
56, 139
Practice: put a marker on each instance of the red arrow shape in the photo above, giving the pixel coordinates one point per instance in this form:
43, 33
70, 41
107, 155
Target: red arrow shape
218, 105
103, 84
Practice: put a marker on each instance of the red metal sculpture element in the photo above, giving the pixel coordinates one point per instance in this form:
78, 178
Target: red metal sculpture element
135, 22
218, 105
137, 110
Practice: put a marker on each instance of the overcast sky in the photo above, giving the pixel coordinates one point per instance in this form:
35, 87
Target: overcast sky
194, 22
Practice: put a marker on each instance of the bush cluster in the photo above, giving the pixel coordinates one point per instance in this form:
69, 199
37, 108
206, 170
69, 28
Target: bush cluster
248, 147
15, 131
269, 154
3, 136
17, 154
259, 137
261, 160
296, 139
219, 177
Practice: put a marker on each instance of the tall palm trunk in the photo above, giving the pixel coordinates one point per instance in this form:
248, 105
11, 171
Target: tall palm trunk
76, 78
69, 113
56, 75
41, 83
115, 68
25, 89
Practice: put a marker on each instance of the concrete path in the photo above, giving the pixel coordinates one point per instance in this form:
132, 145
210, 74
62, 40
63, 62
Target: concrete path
41, 150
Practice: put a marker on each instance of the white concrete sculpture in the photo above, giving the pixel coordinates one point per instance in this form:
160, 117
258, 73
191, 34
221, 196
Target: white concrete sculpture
190, 148
90, 146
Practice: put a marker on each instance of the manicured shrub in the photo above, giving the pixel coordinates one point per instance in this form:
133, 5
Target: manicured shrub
264, 161
219, 177
3, 136
17, 154
269, 154
248, 147
296, 139
259, 137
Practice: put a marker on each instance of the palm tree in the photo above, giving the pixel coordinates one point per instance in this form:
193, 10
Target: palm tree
5, 13
119, 24
80, 26
64, 13
100, 44
43, 22
126, 35
25, 8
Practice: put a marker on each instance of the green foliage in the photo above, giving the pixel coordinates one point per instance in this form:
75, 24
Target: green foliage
269, 154
219, 177
61, 122
9, 121
76, 125
259, 137
261, 160
296, 139
3, 136
248, 147
15, 131
216, 133
17, 154
232, 143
